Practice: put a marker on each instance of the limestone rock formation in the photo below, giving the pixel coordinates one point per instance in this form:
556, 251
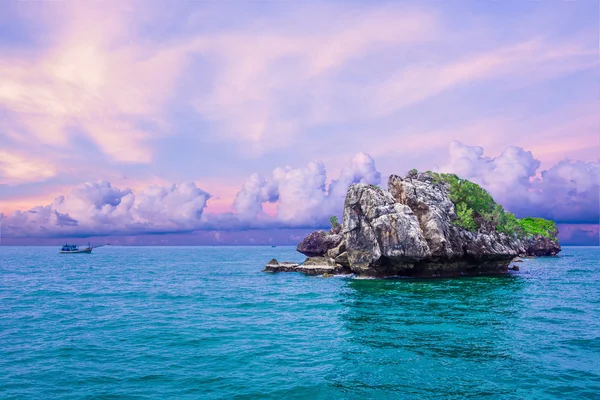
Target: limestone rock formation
411, 230
377, 228
318, 243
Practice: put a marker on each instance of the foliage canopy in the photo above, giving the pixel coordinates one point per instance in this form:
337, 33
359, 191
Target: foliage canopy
475, 208
538, 226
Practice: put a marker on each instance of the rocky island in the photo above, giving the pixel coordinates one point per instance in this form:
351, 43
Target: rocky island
425, 225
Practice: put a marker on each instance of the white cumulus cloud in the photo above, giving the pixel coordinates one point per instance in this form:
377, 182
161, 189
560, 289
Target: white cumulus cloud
100, 208
302, 195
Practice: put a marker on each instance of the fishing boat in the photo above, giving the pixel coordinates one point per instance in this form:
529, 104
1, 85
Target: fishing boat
74, 249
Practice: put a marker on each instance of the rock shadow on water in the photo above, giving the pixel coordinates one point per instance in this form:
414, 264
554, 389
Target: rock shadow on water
466, 318
416, 331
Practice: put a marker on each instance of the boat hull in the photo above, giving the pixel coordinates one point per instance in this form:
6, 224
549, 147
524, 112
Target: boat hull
86, 251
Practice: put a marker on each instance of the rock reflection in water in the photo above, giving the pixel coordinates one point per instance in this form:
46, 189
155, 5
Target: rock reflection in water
410, 336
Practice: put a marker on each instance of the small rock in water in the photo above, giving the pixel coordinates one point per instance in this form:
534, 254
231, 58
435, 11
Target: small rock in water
276, 266
318, 243
312, 266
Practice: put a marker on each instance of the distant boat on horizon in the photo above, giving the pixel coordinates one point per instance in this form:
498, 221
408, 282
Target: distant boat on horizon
74, 249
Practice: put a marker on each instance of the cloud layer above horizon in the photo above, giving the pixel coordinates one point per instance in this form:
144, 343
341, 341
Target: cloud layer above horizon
568, 192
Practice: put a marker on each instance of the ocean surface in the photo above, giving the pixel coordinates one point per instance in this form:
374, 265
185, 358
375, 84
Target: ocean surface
206, 323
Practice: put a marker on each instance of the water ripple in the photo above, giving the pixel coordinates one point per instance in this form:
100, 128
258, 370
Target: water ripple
204, 322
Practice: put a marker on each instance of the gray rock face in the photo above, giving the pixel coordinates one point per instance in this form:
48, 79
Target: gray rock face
318, 243
433, 208
542, 246
378, 231
410, 231
431, 203
336, 230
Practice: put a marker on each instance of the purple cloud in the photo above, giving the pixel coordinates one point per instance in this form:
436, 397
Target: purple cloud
302, 194
101, 209
303, 198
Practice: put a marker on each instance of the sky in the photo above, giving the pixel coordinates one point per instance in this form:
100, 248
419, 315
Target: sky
245, 122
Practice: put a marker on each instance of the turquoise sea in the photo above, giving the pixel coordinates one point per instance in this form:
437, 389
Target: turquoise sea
206, 323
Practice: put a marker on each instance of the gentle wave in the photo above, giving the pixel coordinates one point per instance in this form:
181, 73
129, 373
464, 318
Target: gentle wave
204, 322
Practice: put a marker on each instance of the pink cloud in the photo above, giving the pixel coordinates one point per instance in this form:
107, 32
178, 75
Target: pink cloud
100, 78
567, 133
88, 80
17, 168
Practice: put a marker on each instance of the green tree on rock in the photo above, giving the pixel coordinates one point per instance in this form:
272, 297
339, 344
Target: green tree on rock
334, 221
